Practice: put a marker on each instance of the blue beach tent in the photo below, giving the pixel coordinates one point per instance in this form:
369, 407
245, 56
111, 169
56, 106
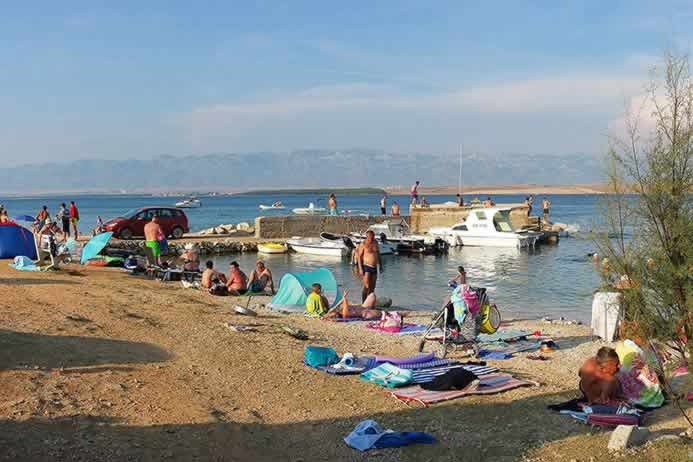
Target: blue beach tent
295, 287
15, 241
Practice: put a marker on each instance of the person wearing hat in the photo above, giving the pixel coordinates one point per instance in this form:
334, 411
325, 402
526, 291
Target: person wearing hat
50, 228
190, 257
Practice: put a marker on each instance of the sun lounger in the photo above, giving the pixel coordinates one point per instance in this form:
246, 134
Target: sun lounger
488, 384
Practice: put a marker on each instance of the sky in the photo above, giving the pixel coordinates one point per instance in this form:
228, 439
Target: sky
132, 79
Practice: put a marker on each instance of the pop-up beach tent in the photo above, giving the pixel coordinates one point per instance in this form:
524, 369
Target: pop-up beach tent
295, 287
15, 241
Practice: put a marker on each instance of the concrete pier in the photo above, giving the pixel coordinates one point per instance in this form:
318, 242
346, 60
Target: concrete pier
286, 226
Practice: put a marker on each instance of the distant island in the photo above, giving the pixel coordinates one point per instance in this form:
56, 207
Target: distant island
313, 192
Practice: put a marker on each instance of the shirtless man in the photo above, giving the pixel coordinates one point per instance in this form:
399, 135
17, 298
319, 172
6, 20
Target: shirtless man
546, 204
152, 232
395, 209
238, 281
260, 278
598, 382
210, 274
368, 263
332, 204
191, 258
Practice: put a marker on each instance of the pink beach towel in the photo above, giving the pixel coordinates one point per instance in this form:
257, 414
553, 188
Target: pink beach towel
488, 384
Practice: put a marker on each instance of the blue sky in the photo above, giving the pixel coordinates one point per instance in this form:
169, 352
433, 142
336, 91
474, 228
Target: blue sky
141, 79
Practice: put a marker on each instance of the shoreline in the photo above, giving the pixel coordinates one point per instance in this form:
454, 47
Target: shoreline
101, 365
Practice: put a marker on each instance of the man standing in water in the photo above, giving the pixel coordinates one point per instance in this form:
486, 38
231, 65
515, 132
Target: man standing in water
546, 204
152, 233
368, 262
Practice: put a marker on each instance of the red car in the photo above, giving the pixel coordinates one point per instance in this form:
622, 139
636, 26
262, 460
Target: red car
173, 221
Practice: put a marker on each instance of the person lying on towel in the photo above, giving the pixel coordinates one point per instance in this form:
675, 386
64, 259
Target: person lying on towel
365, 311
598, 382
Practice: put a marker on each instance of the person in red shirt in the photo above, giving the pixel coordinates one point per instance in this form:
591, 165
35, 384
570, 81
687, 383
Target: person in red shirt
74, 218
238, 281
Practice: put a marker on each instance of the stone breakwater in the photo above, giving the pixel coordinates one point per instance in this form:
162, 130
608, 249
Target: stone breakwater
205, 247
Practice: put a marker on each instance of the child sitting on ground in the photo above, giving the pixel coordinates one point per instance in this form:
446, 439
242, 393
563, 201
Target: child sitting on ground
598, 382
316, 303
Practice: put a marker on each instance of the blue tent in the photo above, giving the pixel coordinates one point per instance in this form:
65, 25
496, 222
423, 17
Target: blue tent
295, 287
15, 241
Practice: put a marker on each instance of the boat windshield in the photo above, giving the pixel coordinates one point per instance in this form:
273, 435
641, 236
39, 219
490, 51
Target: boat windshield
502, 223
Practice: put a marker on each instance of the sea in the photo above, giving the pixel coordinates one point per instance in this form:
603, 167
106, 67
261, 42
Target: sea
551, 280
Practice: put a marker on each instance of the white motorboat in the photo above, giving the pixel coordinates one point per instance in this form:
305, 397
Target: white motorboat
396, 233
310, 210
189, 204
489, 226
385, 247
317, 246
276, 206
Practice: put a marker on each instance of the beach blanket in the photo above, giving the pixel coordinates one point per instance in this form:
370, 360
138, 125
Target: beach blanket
339, 319
428, 364
506, 350
388, 330
427, 375
417, 359
22, 263
488, 384
639, 382
503, 336
388, 375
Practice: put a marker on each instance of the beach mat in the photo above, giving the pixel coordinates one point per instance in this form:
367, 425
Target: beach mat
488, 384
511, 348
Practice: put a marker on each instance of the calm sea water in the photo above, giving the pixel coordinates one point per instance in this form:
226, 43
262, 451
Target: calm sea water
551, 280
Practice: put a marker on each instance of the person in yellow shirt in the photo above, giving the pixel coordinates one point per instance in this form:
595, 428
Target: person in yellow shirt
317, 304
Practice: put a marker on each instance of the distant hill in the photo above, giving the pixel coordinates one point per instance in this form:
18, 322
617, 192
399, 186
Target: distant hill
353, 168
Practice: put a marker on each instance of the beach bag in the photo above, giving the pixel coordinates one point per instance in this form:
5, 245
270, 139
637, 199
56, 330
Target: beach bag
471, 299
218, 288
315, 356
489, 319
391, 321
639, 382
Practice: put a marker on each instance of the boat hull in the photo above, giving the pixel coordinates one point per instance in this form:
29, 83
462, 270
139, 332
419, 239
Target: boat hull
268, 249
318, 247
270, 207
310, 211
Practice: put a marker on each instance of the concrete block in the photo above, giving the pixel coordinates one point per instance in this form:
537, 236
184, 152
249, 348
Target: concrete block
627, 436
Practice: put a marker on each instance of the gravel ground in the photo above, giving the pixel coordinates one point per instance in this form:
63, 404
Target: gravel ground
95, 364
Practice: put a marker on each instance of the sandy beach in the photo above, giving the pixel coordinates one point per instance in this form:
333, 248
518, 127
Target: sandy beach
99, 365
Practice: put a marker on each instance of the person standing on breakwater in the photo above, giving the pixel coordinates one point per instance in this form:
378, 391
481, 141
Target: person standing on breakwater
415, 193
528, 203
383, 205
368, 263
546, 204
395, 209
460, 200
74, 219
332, 205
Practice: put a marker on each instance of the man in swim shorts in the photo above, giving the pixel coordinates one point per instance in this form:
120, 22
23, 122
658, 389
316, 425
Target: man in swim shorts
152, 231
238, 281
74, 219
368, 263
260, 278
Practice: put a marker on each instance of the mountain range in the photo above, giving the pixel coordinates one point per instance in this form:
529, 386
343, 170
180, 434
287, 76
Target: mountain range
297, 169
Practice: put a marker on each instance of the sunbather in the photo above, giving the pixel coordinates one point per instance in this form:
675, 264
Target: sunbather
316, 303
238, 281
260, 278
210, 275
366, 310
598, 382
191, 258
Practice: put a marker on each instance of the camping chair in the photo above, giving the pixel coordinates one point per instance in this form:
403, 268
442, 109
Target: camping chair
153, 267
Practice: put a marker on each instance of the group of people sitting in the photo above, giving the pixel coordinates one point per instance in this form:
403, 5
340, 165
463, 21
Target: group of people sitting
237, 283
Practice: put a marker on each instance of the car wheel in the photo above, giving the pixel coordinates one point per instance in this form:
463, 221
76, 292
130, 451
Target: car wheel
125, 233
177, 232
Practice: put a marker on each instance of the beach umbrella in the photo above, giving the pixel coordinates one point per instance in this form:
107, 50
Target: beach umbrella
94, 246
24, 218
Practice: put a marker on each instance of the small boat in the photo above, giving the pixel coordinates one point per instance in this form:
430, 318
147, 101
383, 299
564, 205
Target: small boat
275, 206
488, 226
396, 234
189, 204
385, 247
310, 210
317, 246
272, 248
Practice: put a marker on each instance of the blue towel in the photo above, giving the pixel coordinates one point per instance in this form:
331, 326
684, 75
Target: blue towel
368, 434
487, 354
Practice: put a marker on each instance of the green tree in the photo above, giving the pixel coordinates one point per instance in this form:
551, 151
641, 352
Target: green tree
647, 232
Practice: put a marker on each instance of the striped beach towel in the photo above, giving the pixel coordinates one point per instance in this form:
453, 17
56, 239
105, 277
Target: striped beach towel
427, 375
487, 384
